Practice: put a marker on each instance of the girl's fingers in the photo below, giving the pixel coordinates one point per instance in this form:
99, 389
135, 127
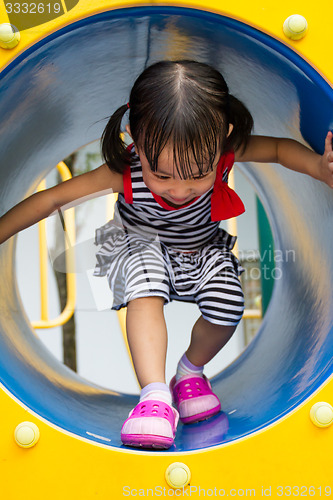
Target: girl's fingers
327, 160
328, 142
330, 157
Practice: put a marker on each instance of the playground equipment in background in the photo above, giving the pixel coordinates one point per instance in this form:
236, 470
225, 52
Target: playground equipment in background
52, 83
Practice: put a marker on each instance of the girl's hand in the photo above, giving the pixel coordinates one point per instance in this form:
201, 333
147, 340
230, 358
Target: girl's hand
326, 162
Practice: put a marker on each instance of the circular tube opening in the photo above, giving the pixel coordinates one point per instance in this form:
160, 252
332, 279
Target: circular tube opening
54, 98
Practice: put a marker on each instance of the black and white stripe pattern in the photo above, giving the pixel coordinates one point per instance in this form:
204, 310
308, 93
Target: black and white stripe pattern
176, 254
221, 300
186, 228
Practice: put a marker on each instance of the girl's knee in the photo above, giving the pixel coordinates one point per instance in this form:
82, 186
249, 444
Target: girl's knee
223, 315
221, 301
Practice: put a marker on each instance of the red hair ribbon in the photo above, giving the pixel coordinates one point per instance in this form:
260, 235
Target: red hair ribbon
225, 203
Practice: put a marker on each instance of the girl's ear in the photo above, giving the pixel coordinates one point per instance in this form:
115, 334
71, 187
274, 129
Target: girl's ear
128, 130
231, 127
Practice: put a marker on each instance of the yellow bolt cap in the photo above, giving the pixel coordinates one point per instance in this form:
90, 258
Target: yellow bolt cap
295, 27
26, 434
178, 475
9, 36
321, 414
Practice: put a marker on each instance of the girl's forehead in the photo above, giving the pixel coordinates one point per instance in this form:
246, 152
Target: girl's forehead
170, 168
166, 161
180, 164
169, 165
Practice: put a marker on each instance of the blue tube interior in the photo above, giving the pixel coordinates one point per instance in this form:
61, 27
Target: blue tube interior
54, 98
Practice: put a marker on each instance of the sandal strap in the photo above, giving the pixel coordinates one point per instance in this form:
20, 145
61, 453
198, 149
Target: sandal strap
155, 408
189, 387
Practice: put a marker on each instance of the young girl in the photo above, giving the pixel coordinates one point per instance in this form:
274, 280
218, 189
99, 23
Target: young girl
165, 241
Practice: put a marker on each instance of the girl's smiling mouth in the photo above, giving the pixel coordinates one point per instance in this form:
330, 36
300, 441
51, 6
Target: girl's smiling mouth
180, 201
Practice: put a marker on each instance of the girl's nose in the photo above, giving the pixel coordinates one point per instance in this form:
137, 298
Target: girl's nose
180, 191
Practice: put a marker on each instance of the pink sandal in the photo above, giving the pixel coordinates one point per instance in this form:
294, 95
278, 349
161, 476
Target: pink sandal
194, 398
151, 424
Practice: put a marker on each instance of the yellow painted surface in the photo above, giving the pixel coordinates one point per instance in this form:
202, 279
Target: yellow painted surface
291, 453
290, 458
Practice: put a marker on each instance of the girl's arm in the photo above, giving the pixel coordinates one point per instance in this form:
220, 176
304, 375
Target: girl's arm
42, 204
291, 154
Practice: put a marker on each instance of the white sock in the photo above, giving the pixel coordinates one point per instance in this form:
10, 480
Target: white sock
185, 367
156, 390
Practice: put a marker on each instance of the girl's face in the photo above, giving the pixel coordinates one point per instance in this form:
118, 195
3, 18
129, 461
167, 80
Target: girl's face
167, 183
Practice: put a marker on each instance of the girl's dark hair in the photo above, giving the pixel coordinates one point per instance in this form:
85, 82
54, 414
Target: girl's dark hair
184, 104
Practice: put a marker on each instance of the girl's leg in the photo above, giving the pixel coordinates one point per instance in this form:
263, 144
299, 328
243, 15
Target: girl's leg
207, 340
147, 338
192, 392
153, 422
222, 302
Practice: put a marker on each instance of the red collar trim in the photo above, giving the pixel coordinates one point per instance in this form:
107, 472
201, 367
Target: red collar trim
127, 181
163, 204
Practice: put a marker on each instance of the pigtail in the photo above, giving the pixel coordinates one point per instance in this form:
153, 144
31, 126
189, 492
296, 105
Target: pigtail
242, 120
113, 148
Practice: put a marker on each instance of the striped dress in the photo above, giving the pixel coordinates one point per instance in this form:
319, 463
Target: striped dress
152, 249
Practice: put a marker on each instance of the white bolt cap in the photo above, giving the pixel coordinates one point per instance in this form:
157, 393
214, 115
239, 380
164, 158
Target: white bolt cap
26, 434
295, 27
321, 414
9, 36
178, 475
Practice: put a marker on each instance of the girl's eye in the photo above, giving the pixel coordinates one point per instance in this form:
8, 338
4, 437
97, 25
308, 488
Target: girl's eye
162, 177
199, 177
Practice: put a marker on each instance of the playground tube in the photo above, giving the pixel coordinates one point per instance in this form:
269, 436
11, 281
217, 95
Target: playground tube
55, 97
